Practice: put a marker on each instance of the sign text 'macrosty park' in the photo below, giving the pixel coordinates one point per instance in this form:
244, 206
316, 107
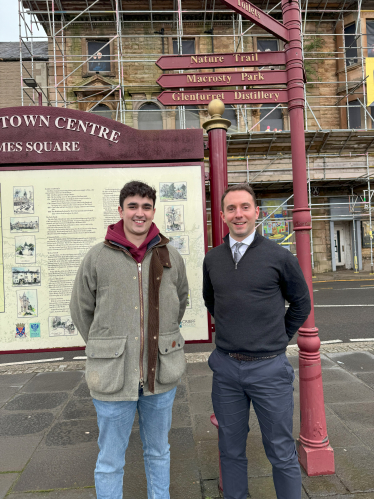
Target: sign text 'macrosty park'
232, 60
265, 96
222, 79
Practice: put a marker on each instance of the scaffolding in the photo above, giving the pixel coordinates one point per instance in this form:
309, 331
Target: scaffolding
342, 154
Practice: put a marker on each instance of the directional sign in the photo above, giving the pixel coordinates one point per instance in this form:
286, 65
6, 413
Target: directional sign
232, 60
222, 79
259, 17
263, 96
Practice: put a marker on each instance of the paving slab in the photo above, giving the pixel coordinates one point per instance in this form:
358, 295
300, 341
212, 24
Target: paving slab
54, 382
338, 375
15, 380
6, 481
210, 489
7, 393
351, 392
203, 428
24, 423
84, 493
59, 468
182, 445
181, 415
201, 403
339, 434
198, 369
181, 393
261, 488
16, 451
354, 467
207, 452
72, 433
36, 401
367, 378
79, 408
82, 391
200, 384
358, 415
324, 486
356, 362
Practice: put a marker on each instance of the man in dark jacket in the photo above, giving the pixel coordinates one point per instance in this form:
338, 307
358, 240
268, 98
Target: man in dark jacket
246, 282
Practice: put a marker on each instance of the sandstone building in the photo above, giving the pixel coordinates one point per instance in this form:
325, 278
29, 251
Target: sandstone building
101, 59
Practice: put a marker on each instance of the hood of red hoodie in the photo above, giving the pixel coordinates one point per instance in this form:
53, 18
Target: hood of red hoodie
116, 234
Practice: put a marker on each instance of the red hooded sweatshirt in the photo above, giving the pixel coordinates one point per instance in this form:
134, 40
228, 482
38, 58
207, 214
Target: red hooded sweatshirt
116, 234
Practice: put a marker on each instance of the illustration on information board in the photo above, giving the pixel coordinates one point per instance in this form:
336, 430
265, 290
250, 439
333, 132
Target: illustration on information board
23, 200
26, 276
24, 224
180, 243
170, 191
174, 218
2, 294
25, 249
27, 303
61, 326
20, 330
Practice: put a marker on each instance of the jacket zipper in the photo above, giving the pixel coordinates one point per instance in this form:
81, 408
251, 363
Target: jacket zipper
141, 380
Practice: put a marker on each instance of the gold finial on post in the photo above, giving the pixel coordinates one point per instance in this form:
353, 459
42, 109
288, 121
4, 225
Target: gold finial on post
216, 108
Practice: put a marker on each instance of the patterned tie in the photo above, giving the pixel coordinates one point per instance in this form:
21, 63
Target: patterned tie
237, 255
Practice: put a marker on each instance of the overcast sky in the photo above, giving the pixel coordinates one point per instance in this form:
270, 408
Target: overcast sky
9, 30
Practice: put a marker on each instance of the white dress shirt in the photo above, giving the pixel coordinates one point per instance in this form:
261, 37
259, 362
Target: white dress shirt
246, 242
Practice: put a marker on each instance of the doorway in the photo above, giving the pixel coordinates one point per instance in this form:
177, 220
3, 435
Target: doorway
340, 244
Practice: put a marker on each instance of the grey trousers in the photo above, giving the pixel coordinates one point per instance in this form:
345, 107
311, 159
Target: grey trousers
268, 384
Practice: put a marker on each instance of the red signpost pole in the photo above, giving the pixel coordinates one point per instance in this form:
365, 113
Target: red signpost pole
217, 129
315, 454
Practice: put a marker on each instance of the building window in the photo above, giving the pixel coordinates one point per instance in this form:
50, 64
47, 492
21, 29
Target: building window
350, 40
354, 119
102, 110
274, 122
149, 117
100, 62
267, 45
370, 37
230, 114
187, 46
192, 118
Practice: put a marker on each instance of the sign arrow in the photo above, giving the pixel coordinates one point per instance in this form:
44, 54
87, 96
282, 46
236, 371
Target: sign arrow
259, 17
198, 97
222, 79
237, 59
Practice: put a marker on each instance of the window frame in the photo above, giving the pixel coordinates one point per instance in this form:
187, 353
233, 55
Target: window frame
196, 40
85, 71
139, 110
355, 60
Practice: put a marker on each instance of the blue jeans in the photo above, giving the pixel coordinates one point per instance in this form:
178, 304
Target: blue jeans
268, 385
115, 421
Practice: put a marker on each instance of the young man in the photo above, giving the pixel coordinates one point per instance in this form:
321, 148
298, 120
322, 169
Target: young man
246, 282
128, 299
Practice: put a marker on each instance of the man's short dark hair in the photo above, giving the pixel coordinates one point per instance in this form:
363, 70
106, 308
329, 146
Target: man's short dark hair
136, 188
239, 187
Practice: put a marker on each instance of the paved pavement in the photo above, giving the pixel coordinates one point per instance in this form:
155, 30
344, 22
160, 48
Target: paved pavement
48, 433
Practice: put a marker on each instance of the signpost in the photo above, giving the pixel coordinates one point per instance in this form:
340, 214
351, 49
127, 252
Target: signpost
263, 96
315, 454
259, 17
206, 61
251, 78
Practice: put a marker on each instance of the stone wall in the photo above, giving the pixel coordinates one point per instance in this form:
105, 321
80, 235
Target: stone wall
10, 77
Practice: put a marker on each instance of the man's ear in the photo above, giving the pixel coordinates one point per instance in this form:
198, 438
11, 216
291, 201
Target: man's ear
222, 216
120, 211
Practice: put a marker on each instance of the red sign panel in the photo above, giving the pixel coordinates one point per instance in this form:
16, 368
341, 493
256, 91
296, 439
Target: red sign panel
264, 96
238, 59
222, 79
259, 17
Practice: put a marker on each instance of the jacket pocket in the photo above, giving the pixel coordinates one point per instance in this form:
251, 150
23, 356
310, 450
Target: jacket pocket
105, 366
172, 362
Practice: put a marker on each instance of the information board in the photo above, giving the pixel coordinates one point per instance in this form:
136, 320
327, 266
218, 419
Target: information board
50, 218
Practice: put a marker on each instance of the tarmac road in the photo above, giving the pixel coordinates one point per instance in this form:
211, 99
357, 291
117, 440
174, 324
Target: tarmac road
344, 311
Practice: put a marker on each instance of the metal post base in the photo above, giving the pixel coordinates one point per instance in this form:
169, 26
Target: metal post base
316, 461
